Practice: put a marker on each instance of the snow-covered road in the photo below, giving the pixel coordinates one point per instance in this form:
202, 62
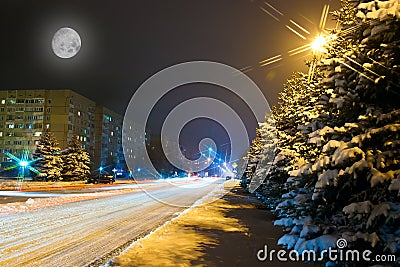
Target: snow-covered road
77, 233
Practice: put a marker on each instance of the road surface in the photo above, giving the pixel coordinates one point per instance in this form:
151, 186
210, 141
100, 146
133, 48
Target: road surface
79, 233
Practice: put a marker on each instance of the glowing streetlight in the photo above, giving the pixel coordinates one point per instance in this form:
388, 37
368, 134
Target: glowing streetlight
23, 163
115, 175
319, 44
100, 170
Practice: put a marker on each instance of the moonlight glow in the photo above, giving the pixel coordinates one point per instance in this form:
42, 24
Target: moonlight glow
66, 43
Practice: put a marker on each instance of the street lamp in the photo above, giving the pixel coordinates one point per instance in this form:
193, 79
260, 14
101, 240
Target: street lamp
319, 44
23, 164
100, 170
114, 171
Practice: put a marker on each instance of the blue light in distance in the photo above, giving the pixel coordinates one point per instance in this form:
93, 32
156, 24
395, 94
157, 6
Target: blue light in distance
23, 163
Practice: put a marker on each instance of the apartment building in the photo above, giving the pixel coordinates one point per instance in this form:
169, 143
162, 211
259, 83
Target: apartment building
26, 114
108, 151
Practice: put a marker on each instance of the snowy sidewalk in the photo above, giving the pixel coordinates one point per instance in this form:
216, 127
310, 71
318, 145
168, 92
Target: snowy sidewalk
227, 232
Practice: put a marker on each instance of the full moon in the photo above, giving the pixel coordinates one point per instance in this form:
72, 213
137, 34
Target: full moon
66, 43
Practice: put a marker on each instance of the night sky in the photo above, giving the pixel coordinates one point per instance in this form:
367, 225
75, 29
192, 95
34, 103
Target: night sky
125, 42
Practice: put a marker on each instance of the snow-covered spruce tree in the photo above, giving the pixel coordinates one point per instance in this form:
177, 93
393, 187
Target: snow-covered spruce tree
76, 161
297, 105
346, 15
357, 194
265, 158
47, 157
252, 157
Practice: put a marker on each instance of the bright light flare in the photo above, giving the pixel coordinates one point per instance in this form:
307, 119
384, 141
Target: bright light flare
319, 44
23, 163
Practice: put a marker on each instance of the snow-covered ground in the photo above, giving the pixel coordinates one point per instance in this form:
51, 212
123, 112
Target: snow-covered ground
79, 232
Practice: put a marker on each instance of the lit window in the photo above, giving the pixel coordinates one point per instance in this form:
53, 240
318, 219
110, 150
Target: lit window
3, 101
38, 134
47, 126
112, 133
79, 113
84, 138
1, 133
